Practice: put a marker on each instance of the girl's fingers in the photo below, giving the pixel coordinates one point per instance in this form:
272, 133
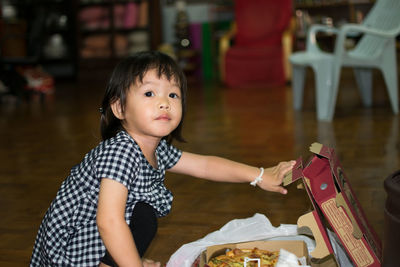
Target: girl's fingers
278, 189
276, 175
285, 168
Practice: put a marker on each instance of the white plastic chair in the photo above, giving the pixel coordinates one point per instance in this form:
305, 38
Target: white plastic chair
375, 49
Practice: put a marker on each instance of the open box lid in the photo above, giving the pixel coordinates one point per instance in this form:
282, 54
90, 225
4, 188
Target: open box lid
334, 201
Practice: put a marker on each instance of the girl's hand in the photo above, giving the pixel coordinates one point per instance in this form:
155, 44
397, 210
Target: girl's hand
150, 263
273, 177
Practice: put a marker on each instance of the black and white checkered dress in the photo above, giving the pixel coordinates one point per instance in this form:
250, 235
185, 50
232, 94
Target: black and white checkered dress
68, 235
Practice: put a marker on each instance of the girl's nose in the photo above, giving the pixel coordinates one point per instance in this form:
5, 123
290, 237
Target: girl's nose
164, 104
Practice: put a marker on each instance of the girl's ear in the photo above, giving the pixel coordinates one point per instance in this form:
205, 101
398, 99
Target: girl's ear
117, 109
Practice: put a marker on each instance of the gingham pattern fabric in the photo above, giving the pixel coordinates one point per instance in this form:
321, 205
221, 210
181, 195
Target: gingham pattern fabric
68, 235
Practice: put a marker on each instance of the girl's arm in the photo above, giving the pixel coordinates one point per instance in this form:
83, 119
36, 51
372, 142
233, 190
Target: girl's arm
114, 230
224, 170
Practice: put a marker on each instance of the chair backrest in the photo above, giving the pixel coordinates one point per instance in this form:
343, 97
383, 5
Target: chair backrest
385, 16
261, 22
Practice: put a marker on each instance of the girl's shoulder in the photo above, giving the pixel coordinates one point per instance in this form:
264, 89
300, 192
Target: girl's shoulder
116, 158
168, 154
164, 147
120, 144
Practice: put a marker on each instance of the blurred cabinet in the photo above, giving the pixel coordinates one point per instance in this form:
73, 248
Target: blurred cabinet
40, 32
108, 30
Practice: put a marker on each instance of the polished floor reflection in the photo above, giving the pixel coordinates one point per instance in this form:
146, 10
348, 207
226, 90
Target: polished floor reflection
41, 140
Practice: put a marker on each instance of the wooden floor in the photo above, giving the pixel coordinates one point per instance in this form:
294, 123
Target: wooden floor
41, 140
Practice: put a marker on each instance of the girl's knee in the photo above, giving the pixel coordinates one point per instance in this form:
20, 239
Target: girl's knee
143, 226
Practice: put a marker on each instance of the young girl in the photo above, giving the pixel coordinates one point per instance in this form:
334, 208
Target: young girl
105, 213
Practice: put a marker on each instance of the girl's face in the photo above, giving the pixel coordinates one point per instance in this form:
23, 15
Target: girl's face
153, 108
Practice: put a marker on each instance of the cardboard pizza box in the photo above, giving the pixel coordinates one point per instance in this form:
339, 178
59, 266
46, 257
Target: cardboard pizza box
297, 247
335, 206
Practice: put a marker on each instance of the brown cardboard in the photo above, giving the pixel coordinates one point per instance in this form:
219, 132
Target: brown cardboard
297, 247
334, 201
308, 224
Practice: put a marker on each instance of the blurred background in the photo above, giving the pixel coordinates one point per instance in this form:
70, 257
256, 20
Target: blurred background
57, 55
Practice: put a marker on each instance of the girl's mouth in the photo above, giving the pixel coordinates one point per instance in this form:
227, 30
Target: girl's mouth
163, 117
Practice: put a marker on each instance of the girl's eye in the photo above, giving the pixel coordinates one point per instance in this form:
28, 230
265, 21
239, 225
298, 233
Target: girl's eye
173, 95
148, 94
